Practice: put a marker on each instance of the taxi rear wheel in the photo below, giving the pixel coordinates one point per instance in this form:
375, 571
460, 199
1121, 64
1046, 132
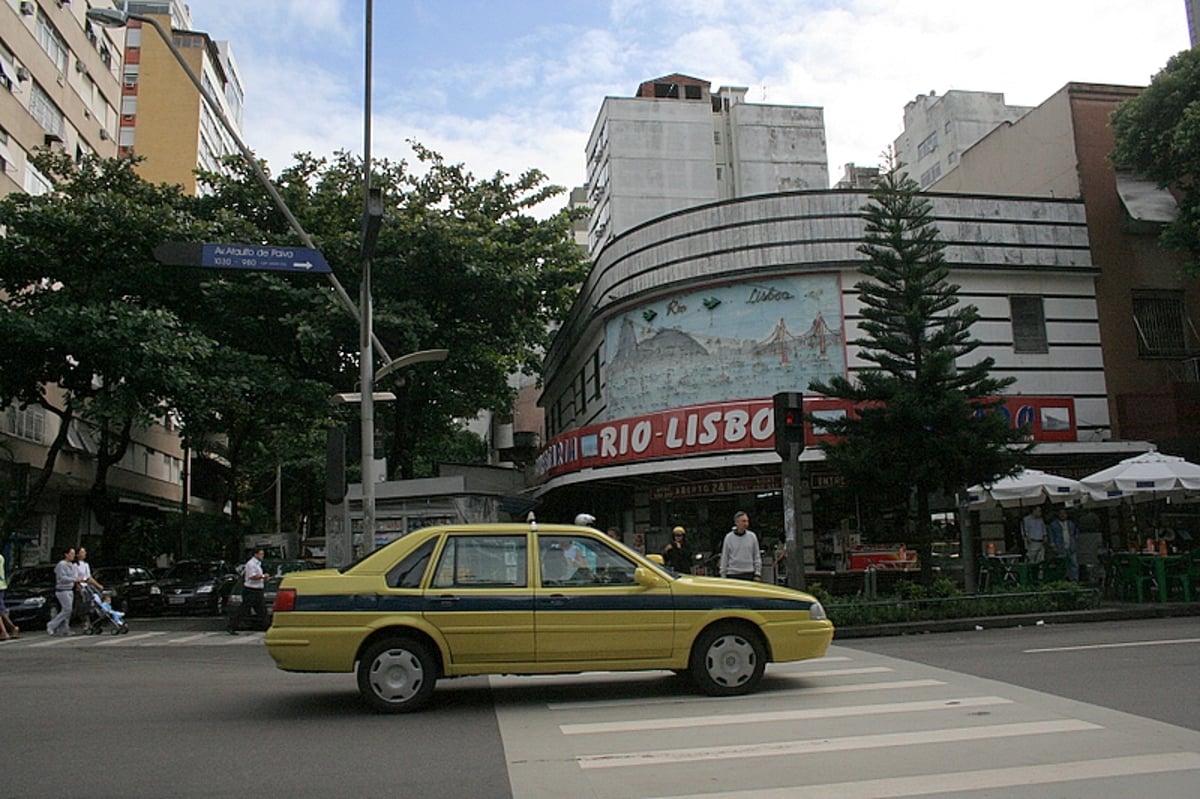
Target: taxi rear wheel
728, 660
397, 675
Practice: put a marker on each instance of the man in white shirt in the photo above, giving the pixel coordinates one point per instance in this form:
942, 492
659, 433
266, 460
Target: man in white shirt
253, 579
740, 558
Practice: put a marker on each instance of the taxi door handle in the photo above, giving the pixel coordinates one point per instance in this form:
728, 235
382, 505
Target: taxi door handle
447, 599
558, 599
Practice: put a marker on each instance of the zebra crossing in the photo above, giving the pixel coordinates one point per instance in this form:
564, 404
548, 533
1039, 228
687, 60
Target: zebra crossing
853, 724
153, 638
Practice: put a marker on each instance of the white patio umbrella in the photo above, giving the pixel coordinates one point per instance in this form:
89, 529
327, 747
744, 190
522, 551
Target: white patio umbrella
1027, 487
1150, 473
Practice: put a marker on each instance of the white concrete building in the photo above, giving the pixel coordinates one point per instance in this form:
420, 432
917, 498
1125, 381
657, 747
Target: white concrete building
938, 129
676, 145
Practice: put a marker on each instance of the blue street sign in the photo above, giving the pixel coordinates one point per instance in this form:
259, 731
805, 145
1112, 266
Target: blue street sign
270, 258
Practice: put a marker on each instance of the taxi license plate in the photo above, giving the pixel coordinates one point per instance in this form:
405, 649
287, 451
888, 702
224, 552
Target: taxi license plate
176, 600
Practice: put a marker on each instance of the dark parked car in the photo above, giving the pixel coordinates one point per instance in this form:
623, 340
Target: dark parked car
134, 589
198, 586
30, 597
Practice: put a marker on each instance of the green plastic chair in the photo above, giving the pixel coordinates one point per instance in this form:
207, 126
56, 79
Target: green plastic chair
1179, 576
1134, 576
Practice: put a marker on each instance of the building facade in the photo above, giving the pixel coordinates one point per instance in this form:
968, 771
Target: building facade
163, 117
937, 129
659, 383
59, 88
1147, 309
676, 144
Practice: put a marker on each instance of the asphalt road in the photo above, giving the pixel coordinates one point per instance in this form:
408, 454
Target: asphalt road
1149, 667
176, 708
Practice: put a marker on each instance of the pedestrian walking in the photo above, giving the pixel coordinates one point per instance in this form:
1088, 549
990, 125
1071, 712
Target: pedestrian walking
83, 570
66, 579
7, 628
253, 579
740, 558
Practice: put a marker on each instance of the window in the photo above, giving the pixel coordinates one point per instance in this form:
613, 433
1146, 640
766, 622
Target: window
692, 92
1162, 323
28, 423
35, 182
666, 90
52, 43
930, 175
582, 561
479, 561
43, 109
409, 572
716, 137
1028, 323
131, 75
928, 145
595, 375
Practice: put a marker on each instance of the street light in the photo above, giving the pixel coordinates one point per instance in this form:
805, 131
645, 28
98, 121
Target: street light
119, 18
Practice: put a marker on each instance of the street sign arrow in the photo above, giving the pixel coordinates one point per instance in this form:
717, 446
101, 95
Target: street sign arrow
270, 258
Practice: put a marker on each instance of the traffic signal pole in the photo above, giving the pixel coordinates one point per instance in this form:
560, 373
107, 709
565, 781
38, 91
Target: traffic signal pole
789, 442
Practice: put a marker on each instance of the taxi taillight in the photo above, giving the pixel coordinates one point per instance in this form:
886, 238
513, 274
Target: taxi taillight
285, 600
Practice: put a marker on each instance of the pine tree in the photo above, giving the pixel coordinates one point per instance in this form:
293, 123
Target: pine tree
922, 422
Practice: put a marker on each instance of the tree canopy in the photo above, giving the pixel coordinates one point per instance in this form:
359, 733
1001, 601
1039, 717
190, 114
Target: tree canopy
922, 422
1157, 133
96, 330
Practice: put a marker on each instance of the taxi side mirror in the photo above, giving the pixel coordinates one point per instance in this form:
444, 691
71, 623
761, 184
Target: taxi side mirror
648, 578
656, 558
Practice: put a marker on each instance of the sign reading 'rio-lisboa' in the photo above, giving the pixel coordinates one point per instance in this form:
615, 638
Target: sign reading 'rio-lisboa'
724, 427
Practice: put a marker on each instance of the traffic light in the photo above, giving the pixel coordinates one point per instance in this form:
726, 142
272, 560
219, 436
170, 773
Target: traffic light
789, 421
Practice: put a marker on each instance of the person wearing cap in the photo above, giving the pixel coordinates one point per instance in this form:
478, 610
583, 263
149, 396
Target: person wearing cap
676, 554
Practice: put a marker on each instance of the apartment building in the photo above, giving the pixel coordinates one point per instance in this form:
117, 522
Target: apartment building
676, 144
1147, 310
163, 117
937, 129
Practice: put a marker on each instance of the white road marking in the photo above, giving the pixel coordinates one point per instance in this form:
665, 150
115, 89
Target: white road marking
983, 779
897, 685
677, 723
848, 743
1081, 647
129, 640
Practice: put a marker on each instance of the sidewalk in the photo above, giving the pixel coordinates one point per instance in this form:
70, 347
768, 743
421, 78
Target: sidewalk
1108, 611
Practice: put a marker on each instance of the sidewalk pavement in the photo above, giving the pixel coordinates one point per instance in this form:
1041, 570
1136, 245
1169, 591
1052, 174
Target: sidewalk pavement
1108, 611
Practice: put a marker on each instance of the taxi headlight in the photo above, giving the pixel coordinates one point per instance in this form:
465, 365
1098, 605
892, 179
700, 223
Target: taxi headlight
35, 601
205, 589
816, 612
155, 590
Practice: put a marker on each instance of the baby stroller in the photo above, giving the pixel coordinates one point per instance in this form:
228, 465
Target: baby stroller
100, 612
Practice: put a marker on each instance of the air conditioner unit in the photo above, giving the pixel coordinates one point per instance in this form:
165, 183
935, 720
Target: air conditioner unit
22, 74
104, 135
80, 67
27, 8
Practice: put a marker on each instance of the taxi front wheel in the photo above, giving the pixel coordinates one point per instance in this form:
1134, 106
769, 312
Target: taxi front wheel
728, 660
397, 675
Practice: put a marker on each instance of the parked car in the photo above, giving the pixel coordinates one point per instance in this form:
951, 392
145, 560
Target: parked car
198, 586
450, 601
134, 589
276, 569
30, 596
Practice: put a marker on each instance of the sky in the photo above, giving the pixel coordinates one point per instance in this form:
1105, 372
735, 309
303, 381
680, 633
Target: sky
510, 85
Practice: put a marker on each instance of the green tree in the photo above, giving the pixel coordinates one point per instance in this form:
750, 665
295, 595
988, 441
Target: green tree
922, 423
1157, 134
461, 263
82, 337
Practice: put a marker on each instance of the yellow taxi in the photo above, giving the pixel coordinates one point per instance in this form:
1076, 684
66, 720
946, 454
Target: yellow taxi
531, 599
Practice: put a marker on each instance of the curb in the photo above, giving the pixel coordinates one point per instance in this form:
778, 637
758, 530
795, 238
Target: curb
1107, 613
